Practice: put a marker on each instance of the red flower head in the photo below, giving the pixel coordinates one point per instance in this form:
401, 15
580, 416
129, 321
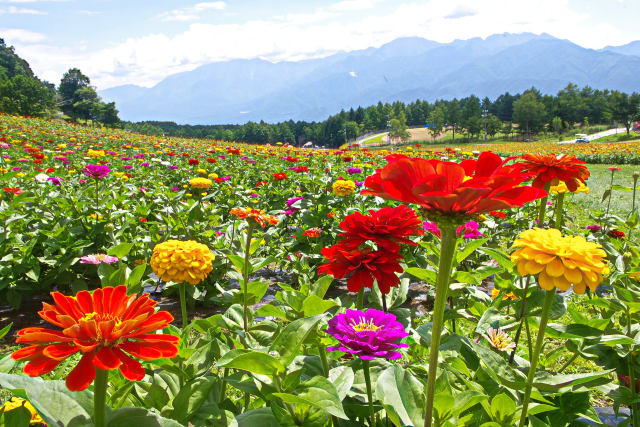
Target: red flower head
616, 234
194, 161
452, 189
499, 215
552, 169
279, 176
103, 325
386, 227
362, 267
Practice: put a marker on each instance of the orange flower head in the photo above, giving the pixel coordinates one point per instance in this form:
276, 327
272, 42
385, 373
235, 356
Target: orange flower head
182, 261
107, 326
553, 169
257, 215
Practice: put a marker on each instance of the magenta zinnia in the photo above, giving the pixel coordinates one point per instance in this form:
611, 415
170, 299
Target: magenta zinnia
368, 334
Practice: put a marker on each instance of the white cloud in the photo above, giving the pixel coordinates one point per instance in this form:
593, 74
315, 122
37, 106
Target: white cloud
21, 10
353, 74
191, 13
351, 5
16, 35
89, 12
147, 60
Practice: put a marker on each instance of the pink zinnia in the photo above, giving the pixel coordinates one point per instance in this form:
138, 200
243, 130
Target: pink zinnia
98, 259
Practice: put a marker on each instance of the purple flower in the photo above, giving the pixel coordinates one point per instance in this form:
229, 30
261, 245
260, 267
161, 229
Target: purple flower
175, 189
82, 181
594, 228
173, 167
468, 230
144, 164
354, 171
55, 180
96, 171
295, 199
127, 167
98, 259
368, 334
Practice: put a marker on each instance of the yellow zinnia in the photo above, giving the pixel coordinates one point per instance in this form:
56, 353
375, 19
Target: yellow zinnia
16, 402
344, 187
200, 183
562, 188
182, 261
559, 261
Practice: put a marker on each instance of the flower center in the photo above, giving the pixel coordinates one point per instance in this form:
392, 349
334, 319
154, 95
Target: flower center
100, 318
364, 325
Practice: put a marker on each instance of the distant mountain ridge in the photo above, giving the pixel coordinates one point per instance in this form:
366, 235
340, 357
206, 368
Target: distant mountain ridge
403, 70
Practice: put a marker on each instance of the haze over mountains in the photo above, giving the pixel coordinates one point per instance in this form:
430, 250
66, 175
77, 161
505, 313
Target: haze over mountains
403, 70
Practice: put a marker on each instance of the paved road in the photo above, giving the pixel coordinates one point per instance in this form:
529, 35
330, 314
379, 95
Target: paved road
597, 135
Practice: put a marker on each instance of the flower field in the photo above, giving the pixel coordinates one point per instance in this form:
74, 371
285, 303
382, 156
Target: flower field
188, 282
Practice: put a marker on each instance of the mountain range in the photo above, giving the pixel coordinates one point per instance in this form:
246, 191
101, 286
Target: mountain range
405, 69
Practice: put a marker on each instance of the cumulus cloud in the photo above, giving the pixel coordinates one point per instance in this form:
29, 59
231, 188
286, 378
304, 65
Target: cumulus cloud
147, 60
16, 35
191, 13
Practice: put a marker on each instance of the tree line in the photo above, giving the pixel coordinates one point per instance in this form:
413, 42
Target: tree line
23, 93
527, 114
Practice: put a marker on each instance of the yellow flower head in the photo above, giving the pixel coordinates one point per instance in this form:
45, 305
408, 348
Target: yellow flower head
200, 183
562, 188
213, 175
559, 261
96, 153
16, 402
182, 261
344, 187
257, 215
202, 172
509, 295
499, 340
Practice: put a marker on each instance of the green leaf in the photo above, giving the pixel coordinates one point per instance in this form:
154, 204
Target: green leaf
503, 408
252, 361
191, 397
342, 378
135, 276
237, 261
288, 342
621, 188
4, 331
606, 195
469, 248
257, 290
320, 286
270, 310
319, 393
314, 305
53, 401
120, 250
105, 271
18, 417
138, 417
501, 258
428, 276
402, 396
262, 417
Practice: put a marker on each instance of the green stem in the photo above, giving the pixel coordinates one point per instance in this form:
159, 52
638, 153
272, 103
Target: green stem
543, 205
100, 398
632, 380
521, 318
568, 362
533, 362
223, 388
245, 277
323, 358
183, 304
447, 249
559, 211
367, 380
610, 193
360, 299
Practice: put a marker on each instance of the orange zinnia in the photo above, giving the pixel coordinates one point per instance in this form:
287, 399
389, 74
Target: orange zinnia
552, 169
257, 215
103, 325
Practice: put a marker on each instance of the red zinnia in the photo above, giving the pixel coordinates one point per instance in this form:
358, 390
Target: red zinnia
13, 190
499, 215
448, 188
552, 169
103, 325
194, 161
386, 227
362, 267
279, 176
616, 234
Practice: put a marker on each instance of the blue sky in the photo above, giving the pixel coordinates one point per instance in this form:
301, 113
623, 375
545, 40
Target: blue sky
140, 42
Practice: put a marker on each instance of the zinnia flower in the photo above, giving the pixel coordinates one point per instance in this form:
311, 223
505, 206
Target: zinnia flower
551, 169
279, 176
15, 403
368, 334
257, 215
103, 325
362, 267
312, 232
594, 228
509, 295
386, 227
200, 183
562, 188
616, 234
182, 261
344, 187
559, 261
499, 340
98, 258
96, 171
452, 189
